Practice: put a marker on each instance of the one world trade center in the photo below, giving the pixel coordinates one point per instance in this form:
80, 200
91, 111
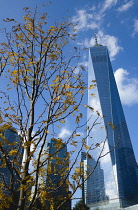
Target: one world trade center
114, 182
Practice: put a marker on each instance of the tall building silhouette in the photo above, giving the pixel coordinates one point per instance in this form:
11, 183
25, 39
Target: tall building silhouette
9, 164
97, 192
9, 141
117, 169
57, 175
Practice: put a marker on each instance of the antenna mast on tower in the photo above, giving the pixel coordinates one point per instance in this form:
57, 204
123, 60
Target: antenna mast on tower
95, 36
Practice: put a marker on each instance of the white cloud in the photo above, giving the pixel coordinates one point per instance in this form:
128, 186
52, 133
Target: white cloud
127, 87
106, 40
93, 8
93, 19
135, 26
111, 189
111, 42
84, 20
95, 103
108, 4
126, 6
64, 133
77, 70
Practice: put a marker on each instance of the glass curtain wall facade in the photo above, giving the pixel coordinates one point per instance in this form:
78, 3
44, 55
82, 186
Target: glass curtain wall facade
9, 141
57, 170
10, 136
118, 169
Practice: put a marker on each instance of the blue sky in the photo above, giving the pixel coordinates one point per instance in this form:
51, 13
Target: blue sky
116, 23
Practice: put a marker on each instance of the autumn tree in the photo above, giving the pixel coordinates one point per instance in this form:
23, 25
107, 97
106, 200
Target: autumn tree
41, 91
80, 205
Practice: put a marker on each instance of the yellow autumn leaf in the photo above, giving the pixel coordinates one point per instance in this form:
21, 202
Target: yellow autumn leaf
69, 94
111, 125
85, 105
32, 62
62, 121
55, 80
74, 143
89, 156
77, 119
43, 17
93, 95
44, 122
57, 98
91, 108
22, 59
42, 31
14, 72
26, 18
77, 170
53, 56
101, 127
87, 147
77, 135
13, 152
91, 87
47, 131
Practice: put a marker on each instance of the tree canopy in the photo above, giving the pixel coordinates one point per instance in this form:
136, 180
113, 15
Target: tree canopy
80, 205
41, 92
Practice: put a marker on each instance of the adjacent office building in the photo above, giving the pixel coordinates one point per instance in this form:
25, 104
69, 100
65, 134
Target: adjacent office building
9, 141
9, 162
97, 192
114, 184
57, 174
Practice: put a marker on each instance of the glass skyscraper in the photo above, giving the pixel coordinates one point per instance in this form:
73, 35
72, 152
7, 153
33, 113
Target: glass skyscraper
9, 164
114, 184
56, 177
9, 142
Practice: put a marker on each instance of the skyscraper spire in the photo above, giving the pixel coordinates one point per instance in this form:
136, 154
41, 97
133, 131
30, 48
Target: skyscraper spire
95, 36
